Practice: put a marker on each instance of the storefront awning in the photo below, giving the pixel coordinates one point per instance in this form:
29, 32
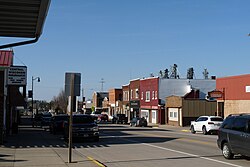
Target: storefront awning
23, 18
6, 58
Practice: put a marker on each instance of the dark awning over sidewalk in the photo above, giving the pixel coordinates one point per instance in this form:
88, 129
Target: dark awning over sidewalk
22, 18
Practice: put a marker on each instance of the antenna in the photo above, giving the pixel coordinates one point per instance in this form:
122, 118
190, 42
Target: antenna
205, 73
190, 73
102, 82
174, 72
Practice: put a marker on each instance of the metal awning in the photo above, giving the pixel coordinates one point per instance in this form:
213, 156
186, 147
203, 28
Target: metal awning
6, 58
23, 18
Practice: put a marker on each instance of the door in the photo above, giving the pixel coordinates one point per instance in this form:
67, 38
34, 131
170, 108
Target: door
145, 114
154, 116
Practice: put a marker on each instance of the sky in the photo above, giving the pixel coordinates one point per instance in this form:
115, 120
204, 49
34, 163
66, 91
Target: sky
116, 41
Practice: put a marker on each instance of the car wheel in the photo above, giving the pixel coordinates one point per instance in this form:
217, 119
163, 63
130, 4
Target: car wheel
204, 130
226, 151
192, 130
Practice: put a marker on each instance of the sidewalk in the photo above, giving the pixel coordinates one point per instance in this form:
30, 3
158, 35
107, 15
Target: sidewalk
34, 147
170, 127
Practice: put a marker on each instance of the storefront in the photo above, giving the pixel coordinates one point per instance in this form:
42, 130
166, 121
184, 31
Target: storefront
134, 108
235, 95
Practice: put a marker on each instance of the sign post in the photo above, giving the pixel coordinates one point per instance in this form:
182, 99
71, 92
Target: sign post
72, 89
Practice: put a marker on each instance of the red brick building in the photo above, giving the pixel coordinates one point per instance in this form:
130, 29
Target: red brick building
149, 99
235, 94
115, 101
126, 100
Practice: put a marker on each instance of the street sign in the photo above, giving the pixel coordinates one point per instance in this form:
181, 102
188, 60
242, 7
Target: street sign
17, 75
76, 86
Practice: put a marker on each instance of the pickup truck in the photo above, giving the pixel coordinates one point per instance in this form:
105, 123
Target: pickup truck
83, 127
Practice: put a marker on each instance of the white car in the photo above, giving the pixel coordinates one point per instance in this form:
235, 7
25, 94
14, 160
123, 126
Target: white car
206, 124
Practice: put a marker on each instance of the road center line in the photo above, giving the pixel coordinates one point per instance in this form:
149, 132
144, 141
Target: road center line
193, 155
180, 152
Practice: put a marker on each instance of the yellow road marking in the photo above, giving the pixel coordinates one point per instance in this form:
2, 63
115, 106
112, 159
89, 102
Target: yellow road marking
96, 162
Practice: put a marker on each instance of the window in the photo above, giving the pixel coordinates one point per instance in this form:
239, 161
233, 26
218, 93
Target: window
141, 95
136, 93
147, 96
125, 95
217, 119
227, 124
153, 95
173, 114
156, 95
131, 94
239, 124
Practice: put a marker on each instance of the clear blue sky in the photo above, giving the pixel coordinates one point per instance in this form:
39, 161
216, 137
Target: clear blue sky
119, 40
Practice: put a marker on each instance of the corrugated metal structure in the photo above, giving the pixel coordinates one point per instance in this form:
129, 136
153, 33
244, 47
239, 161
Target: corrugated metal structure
180, 87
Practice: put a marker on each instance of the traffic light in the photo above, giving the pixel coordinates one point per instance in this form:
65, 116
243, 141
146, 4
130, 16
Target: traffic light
30, 94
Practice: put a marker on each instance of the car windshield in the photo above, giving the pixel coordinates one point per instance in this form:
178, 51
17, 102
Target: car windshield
217, 119
83, 119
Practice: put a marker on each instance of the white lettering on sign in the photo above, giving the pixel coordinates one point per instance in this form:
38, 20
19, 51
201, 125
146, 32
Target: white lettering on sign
17, 75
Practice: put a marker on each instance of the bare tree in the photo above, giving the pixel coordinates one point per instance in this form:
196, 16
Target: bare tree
59, 102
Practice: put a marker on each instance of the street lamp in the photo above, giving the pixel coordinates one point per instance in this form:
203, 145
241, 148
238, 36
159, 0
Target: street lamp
38, 80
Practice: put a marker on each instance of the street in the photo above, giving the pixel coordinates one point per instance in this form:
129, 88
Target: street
121, 145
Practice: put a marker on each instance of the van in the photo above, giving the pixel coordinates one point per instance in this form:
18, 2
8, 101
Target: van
234, 136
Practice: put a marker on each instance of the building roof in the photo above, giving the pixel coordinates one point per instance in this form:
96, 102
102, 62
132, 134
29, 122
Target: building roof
234, 77
6, 58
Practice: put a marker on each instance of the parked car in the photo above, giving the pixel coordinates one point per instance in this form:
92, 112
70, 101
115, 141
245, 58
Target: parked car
56, 123
206, 124
46, 117
234, 136
120, 118
37, 120
83, 127
138, 122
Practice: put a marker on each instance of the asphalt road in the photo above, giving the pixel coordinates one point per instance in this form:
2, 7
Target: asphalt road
123, 146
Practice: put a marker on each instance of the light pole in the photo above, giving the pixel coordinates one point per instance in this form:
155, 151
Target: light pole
38, 80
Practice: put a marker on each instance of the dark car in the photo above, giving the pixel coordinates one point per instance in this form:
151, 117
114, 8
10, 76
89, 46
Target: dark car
83, 127
234, 136
56, 123
46, 117
139, 122
120, 118
37, 120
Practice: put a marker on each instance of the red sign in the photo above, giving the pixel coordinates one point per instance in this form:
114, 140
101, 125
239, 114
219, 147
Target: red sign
215, 94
